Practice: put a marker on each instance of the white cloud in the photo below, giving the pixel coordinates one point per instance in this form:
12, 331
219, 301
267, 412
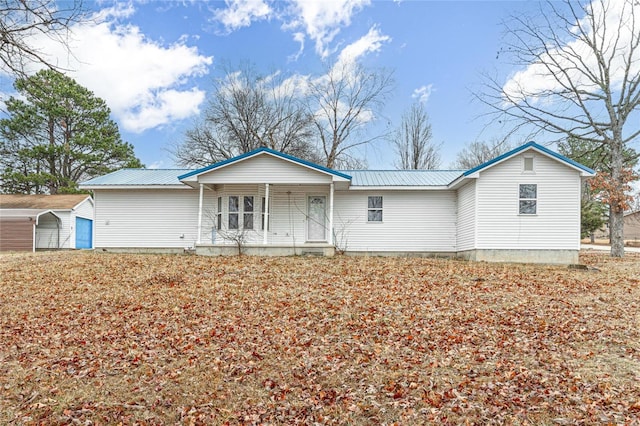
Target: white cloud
323, 20
536, 79
423, 93
240, 13
142, 80
371, 42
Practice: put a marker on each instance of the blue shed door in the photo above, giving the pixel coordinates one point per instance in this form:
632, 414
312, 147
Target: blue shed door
84, 232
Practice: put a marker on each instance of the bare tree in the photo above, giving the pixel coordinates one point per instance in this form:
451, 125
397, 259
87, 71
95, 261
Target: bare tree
248, 112
21, 20
343, 102
412, 141
479, 152
582, 80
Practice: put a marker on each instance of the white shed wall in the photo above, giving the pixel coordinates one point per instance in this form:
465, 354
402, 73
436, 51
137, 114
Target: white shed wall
146, 218
47, 236
466, 229
411, 221
557, 222
264, 168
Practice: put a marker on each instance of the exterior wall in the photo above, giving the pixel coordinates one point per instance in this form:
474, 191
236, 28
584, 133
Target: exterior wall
264, 168
67, 228
16, 234
466, 228
632, 226
145, 218
556, 226
49, 232
411, 221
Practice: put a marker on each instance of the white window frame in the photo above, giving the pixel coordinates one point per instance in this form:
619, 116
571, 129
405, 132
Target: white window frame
219, 214
375, 209
248, 213
233, 212
522, 200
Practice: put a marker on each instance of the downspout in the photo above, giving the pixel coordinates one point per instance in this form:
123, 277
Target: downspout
331, 213
266, 214
199, 239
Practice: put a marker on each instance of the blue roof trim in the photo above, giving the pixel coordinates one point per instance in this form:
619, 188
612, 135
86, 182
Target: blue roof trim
523, 148
269, 151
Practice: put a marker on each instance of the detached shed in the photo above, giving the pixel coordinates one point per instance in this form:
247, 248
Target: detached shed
31, 222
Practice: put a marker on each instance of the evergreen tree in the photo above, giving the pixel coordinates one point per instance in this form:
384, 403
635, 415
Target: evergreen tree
57, 134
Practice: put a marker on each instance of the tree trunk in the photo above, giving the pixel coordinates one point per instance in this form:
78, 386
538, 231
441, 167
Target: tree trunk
593, 237
617, 202
617, 233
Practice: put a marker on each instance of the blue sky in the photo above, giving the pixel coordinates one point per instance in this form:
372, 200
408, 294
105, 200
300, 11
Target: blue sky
153, 62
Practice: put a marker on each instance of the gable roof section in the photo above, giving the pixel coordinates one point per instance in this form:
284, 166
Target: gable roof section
407, 179
262, 151
137, 177
41, 201
541, 149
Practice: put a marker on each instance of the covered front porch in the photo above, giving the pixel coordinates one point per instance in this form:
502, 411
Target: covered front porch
265, 219
265, 203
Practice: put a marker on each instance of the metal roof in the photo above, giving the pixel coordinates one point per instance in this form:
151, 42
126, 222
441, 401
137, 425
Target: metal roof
41, 201
403, 177
138, 177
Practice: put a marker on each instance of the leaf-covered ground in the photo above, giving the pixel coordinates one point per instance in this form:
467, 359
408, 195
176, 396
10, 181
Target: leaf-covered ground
101, 338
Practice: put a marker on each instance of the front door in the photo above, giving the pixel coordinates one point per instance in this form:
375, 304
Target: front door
316, 229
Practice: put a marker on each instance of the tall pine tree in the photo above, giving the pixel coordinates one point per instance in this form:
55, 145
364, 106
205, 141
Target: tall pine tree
57, 134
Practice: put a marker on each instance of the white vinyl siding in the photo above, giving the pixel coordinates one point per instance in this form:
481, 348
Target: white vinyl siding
265, 168
412, 221
147, 218
466, 216
556, 224
85, 209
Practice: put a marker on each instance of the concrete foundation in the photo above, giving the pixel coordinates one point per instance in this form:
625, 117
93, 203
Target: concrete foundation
445, 255
553, 257
557, 257
266, 250
146, 250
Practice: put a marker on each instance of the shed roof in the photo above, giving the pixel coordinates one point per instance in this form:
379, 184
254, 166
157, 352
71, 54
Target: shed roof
41, 201
403, 178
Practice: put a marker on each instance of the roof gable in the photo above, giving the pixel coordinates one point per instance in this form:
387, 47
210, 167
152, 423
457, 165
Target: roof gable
532, 146
263, 151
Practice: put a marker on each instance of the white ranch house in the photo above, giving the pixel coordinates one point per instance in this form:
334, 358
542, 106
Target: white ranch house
523, 206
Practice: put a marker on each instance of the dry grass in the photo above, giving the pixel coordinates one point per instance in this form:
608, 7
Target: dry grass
99, 338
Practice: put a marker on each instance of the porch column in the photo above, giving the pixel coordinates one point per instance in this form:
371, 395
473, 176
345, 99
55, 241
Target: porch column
331, 213
199, 239
266, 214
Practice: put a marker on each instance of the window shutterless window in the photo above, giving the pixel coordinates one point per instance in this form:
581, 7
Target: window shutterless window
374, 209
528, 198
219, 214
234, 208
248, 213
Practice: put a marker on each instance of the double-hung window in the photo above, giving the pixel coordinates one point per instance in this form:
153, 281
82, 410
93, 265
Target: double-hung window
219, 214
528, 198
234, 211
374, 209
248, 213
